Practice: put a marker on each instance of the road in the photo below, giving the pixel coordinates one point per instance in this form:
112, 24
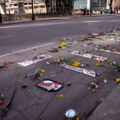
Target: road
21, 42
22, 36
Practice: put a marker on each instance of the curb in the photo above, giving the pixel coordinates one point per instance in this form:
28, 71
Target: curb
43, 19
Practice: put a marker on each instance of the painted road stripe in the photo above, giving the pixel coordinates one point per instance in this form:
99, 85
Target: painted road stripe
30, 62
90, 56
31, 48
80, 70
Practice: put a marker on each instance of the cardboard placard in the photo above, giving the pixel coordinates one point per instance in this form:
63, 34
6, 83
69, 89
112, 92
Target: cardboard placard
49, 85
30, 62
90, 56
108, 51
80, 70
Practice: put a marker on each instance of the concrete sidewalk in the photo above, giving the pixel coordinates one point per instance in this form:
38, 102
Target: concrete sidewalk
109, 109
37, 19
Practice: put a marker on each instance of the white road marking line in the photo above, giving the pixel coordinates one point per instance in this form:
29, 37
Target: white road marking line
57, 23
8, 54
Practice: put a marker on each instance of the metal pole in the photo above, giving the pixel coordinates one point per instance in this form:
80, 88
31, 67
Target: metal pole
33, 15
5, 6
111, 6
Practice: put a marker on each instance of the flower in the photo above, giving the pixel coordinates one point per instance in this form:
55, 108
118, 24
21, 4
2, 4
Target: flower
11, 62
118, 80
99, 59
98, 65
76, 64
41, 74
93, 90
68, 85
63, 44
110, 63
42, 70
1, 102
77, 118
24, 85
60, 95
5, 66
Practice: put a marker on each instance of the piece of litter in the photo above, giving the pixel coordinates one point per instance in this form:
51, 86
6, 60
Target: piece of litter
24, 85
105, 81
53, 75
70, 114
47, 63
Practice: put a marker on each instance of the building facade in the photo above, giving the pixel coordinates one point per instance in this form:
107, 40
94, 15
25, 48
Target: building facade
92, 4
22, 6
59, 6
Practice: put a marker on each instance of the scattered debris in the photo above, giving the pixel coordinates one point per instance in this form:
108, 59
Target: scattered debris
105, 81
86, 39
94, 85
117, 65
54, 50
24, 85
5, 64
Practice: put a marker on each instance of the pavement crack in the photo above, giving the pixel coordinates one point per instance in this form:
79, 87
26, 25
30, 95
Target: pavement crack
43, 111
87, 115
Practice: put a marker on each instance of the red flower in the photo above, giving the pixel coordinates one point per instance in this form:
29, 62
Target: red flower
1, 102
5, 66
11, 62
69, 84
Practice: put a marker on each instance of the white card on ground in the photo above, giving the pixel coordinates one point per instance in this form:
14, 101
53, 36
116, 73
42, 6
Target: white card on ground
30, 62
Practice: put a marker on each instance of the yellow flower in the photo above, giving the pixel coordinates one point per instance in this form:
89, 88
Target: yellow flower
41, 74
98, 65
110, 63
118, 80
63, 44
42, 70
60, 95
76, 64
77, 118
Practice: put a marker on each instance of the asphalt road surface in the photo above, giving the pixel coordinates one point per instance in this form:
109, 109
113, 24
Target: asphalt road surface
22, 42
18, 37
